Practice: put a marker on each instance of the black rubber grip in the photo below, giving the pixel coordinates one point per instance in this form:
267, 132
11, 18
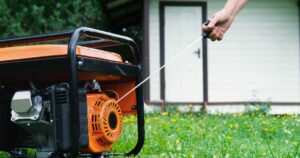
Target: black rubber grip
206, 34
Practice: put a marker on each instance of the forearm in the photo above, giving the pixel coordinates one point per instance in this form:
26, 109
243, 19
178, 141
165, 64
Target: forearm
234, 6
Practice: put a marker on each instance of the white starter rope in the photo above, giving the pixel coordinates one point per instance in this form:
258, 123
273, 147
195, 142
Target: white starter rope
165, 65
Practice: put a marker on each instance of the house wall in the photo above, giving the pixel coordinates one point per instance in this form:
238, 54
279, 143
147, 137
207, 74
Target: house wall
259, 58
154, 52
257, 61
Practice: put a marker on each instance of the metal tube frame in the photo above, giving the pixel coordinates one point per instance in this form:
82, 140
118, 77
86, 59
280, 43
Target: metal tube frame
103, 38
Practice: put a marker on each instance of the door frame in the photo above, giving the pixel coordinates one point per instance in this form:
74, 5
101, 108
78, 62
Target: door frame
162, 6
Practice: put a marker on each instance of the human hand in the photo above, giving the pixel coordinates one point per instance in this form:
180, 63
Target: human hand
219, 24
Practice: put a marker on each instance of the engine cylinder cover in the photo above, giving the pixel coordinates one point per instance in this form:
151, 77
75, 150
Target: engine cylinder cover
24, 106
104, 122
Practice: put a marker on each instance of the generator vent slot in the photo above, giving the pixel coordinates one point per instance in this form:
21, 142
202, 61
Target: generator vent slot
61, 97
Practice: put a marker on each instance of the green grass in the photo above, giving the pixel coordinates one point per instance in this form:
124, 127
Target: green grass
198, 135
237, 135
3, 155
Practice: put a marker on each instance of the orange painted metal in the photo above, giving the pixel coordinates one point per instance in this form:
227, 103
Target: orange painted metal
119, 84
122, 88
104, 122
44, 51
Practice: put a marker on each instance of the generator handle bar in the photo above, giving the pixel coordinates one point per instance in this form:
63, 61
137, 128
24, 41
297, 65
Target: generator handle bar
121, 40
106, 39
73, 83
35, 38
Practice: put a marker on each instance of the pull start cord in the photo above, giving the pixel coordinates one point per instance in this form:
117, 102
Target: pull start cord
165, 65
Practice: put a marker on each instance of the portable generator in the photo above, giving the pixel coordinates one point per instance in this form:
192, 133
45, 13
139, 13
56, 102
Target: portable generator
63, 99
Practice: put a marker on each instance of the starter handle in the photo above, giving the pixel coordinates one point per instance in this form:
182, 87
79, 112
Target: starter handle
206, 34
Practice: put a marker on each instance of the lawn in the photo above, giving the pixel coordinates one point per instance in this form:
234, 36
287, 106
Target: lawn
199, 135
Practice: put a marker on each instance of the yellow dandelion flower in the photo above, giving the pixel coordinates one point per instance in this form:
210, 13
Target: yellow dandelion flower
190, 105
132, 118
266, 115
228, 137
154, 132
201, 131
164, 113
266, 129
173, 120
147, 121
125, 120
230, 125
156, 118
177, 141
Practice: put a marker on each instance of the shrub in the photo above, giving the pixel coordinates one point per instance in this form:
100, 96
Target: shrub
258, 108
26, 17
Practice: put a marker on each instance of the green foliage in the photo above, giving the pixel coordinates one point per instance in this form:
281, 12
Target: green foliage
27, 17
4, 154
171, 108
190, 108
257, 109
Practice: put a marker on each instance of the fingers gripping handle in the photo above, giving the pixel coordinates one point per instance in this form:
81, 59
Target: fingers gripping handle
206, 34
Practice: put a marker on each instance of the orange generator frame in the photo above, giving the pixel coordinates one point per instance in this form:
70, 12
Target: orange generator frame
63, 99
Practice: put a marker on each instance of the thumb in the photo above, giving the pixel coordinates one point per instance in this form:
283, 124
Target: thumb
213, 22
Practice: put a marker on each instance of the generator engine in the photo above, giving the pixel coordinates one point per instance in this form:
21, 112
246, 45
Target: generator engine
45, 115
63, 94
